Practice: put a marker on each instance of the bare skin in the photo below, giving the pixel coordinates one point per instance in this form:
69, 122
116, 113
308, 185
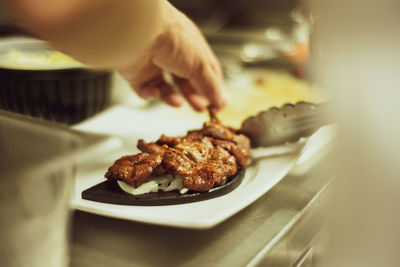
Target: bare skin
195, 68
142, 39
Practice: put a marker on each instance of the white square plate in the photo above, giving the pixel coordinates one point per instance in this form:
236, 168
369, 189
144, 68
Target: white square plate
267, 167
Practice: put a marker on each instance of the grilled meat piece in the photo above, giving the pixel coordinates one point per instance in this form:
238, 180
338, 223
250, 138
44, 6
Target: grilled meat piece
150, 148
198, 151
209, 175
135, 169
201, 164
175, 162
241, 155
220, 166
169, 141
203, 158
217, 131
237, 144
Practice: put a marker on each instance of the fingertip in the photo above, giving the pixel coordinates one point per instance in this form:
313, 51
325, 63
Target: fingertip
199, 103
220, 101
149, 92
211, 86
225, 97
175, 100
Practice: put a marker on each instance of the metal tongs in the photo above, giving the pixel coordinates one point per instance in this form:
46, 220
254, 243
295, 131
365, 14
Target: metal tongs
289, 123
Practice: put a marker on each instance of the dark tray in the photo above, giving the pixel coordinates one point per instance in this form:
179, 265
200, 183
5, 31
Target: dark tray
110, 192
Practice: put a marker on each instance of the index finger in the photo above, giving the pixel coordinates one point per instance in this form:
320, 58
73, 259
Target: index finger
206, 81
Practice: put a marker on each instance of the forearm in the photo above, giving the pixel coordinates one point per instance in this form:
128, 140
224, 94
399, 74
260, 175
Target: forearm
140, 38
104, 33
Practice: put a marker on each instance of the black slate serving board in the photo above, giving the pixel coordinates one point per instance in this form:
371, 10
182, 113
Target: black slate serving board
109, 192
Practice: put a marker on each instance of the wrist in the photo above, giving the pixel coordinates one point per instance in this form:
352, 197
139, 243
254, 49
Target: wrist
170, 21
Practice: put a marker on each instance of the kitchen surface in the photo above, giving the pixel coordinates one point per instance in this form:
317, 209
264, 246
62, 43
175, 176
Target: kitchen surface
278, 229
272, 219
65, 125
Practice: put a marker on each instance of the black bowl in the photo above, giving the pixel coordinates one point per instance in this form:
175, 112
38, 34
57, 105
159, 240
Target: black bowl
64, 91
66, 95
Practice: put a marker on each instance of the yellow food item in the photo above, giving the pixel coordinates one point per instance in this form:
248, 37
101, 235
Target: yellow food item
267, 89
18, 59
253, 92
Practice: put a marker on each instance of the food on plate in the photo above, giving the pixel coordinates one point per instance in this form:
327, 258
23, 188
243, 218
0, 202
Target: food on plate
34, 60
199, 161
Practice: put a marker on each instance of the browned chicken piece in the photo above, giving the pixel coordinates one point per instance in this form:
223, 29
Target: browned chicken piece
195, 135
207, 176
203, 158
150, 148
198, 182
217, 131
242, 142
134, 169
169, 141
220, 166
239, 145
240, 152
198, 151
175, 162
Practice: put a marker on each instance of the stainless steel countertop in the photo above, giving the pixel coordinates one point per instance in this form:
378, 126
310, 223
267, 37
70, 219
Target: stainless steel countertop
274, 231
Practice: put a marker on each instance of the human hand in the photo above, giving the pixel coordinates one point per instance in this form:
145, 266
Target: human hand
181, 50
